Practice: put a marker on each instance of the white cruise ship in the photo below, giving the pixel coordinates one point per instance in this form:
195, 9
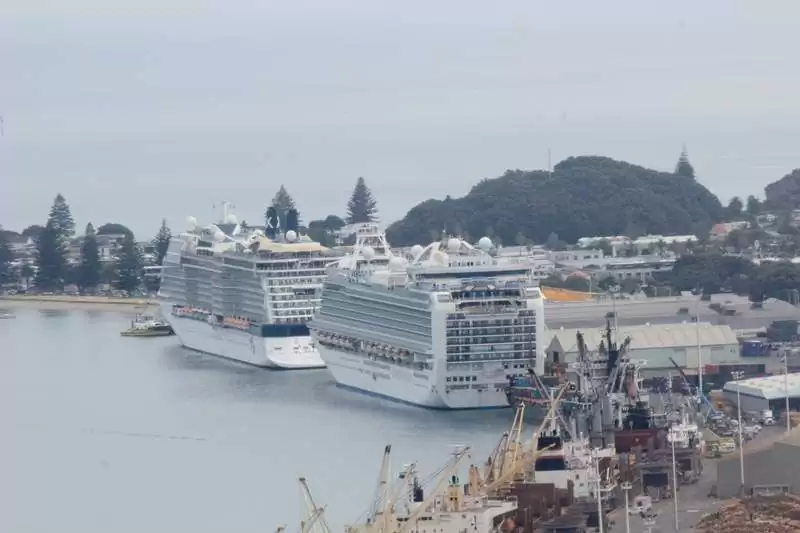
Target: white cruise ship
243, 293
444, 328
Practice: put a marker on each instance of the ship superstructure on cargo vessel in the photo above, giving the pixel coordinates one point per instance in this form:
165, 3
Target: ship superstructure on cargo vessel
245, 293
444, 327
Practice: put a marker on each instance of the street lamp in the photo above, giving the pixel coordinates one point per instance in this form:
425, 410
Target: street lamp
613, 290
672, 436
786, 388
737, 375
626, 486
699, 349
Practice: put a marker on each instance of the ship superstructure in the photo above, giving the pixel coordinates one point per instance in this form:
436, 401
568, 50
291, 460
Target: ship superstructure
444, 327
245, 293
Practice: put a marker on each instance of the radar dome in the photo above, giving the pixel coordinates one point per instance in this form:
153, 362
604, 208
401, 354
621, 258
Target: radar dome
232, 219
397, 263
416, 251
219, 235
453, 245
485, 244
291, 235
368, 252
191, 223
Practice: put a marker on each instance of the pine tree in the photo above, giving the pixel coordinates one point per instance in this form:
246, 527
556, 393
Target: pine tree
283, 202
362, 206
129, 265
6, 259
161, 241
51, 258
753, 206
61, 217
684, 168
734, 209
90, 267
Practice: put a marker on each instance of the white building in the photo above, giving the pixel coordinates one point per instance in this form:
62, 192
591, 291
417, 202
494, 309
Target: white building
598, 266
655, 344
765, 393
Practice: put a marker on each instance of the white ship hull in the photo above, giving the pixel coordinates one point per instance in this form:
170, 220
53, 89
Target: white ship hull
286, 353
404, 384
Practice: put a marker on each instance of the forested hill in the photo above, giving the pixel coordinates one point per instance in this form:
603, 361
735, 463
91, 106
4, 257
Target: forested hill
584, 196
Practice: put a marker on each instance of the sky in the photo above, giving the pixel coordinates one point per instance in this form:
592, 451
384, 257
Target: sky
141, 110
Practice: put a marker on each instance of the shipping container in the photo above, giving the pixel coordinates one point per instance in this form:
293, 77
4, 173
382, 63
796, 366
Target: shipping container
755, 348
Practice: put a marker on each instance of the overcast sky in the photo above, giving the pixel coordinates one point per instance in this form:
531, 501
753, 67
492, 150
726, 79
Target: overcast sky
152, 109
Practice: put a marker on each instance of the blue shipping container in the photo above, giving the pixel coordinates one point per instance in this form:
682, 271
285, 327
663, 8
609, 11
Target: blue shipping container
755, 349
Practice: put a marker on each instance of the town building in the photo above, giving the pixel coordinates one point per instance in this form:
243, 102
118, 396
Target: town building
768, 392
723, 229
769, 466
656, 344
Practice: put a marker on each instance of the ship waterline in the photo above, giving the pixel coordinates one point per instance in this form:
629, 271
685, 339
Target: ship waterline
407, 385
282, 353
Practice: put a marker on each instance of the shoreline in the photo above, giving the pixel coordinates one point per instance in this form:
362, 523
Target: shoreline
75, 302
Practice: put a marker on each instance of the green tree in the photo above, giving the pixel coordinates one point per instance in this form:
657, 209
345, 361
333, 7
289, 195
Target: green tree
734, 210
26, 272
113, 228
90, 269
753, 206
129, 265
554, 243
51, 258
61, 218
32, 232
283, 202
161, 241
684, 167
6, 260
362, 206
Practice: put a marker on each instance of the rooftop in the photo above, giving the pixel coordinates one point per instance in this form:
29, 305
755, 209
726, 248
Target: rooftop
651, 336
770, 387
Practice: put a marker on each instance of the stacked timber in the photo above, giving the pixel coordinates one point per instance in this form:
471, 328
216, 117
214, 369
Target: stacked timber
764, 514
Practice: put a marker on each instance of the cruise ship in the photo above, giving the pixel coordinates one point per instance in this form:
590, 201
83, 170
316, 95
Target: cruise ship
444, 327
245, 293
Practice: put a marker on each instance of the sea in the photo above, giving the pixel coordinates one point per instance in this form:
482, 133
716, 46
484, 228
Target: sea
107, 433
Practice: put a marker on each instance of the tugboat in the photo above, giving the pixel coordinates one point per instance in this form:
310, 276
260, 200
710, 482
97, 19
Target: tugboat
147, 326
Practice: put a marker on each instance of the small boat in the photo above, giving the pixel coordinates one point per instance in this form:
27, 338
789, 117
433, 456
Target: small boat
147, 326
7, 315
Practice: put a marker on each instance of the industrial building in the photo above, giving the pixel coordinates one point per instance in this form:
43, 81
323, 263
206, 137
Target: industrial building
769, 465
656, 344
768, 392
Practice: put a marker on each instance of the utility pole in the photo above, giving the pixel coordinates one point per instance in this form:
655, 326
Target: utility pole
737, 375
672, 436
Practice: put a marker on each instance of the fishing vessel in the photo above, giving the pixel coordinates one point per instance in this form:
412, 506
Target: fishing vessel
443, 327
245, 293
147, 326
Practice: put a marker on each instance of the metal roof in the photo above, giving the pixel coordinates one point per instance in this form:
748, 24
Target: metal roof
770, 387
650, 336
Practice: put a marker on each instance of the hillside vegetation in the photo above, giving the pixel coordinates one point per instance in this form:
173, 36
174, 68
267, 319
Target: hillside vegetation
584, 196
784, 194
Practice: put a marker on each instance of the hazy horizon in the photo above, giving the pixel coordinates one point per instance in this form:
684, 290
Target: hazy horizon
147, 110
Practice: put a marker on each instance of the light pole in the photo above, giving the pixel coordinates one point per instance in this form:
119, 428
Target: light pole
613, 290
786, 388
737, 375
673, 437
626, 486
699, 349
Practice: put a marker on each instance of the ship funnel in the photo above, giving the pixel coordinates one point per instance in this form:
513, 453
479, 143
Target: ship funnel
291, 220
272, 223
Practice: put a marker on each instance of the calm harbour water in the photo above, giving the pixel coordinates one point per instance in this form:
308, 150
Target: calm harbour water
104, 433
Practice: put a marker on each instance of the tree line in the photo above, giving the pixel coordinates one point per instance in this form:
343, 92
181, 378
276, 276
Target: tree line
51, 270
361, 207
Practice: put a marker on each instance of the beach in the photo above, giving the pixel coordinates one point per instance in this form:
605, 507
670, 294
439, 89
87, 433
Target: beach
107, 303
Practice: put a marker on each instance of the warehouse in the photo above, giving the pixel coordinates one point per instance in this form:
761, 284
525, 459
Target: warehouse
765, 393
769, 463
656, 344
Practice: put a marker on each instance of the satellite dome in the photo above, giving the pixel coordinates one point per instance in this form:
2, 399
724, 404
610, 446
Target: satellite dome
219, 235
368, 252
232, 219
191, 223
291, 235
453, 245
485, 244
397, 263
416, 251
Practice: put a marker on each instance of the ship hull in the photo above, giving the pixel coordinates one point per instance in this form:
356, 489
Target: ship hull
404, 385
285, 353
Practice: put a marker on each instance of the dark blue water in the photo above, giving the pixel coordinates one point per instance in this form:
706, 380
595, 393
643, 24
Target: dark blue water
104, 433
